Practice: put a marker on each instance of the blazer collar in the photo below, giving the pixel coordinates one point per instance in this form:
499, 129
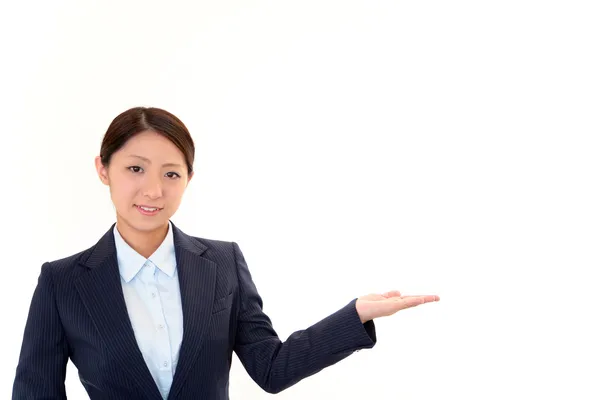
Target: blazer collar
105, 247
102, 294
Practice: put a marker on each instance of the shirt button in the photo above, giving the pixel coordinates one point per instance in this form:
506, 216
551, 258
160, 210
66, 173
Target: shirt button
160, 326
153, 295
165, 364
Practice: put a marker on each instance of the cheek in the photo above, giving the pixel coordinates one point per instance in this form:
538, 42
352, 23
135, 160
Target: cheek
122, 195
174, 195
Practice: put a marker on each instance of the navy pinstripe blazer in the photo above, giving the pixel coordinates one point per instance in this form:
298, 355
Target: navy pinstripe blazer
78, 312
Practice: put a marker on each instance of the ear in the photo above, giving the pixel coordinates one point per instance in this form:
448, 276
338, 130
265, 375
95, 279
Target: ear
102, 170
190, 176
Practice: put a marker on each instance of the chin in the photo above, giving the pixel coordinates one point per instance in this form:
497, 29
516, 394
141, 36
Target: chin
150, 224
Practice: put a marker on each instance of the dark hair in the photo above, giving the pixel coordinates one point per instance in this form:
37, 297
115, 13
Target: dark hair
139, 119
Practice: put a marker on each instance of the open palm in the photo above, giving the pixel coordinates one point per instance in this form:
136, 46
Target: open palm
374, 306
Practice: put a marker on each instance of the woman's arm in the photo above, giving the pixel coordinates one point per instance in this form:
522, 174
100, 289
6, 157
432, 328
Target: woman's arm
274, 365
44, 353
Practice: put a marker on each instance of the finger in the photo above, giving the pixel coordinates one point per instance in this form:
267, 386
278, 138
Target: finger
392, 293
401, 304
411, 301
427, 298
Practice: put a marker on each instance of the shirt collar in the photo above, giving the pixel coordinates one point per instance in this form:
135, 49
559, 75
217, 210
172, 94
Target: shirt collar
130, 261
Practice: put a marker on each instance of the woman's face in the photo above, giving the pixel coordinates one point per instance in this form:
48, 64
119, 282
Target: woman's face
147, 179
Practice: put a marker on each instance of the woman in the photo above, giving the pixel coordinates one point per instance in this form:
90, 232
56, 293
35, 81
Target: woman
150, 312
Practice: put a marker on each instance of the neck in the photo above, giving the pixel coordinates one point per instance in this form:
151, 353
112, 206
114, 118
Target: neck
144, 242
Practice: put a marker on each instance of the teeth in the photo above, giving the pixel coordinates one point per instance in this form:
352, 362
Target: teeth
148, 209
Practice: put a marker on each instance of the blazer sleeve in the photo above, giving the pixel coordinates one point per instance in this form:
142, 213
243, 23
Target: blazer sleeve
276, 366
44, 352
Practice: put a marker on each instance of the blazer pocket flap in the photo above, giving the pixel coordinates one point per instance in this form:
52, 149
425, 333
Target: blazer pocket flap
222, 303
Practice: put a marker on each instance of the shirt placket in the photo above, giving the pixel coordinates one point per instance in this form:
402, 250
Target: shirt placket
163, 358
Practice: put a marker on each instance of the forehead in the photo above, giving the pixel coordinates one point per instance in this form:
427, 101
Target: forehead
151, 145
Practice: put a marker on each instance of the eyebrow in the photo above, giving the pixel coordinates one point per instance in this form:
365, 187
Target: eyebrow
150, 162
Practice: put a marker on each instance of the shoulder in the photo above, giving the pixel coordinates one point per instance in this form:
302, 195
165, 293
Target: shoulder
214, 248
66, 268
68, 261
223, 252
213, 244
206, 246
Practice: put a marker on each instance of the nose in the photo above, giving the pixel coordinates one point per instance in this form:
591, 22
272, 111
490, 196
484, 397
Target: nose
152, 188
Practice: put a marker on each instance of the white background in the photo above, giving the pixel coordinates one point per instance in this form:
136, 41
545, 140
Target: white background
349, 147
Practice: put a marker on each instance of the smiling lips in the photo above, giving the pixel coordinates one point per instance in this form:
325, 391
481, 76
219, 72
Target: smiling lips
146, 210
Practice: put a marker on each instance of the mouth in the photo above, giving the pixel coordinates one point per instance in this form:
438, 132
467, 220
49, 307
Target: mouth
147, 210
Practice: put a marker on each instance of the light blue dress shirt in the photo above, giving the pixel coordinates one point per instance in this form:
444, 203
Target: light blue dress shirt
153, 299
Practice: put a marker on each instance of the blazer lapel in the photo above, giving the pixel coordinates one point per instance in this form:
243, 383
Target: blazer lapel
197, 278
101, 292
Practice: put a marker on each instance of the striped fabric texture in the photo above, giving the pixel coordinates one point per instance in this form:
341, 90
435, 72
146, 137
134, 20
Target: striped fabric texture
78, 312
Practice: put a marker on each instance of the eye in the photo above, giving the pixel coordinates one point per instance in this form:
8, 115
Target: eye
173, 175
134, 169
